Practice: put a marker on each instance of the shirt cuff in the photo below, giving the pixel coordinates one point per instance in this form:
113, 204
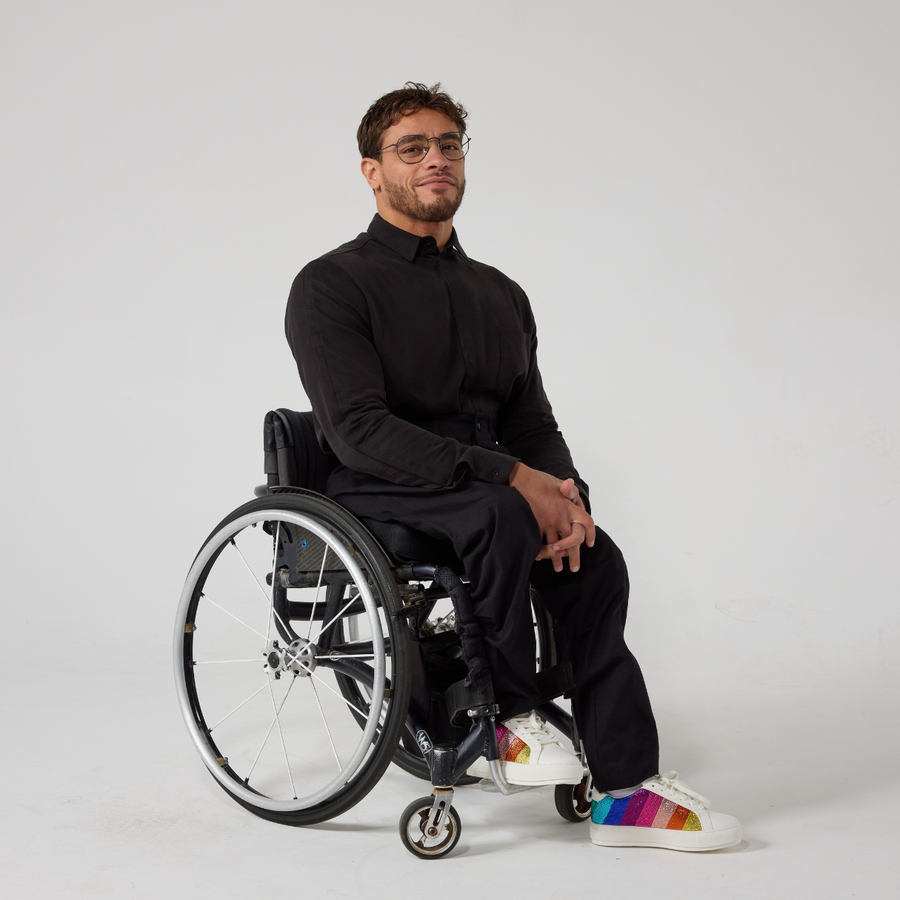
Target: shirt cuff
493, 467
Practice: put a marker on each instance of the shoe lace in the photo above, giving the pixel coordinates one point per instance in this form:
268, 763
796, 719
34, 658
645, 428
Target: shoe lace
532, 726
671, 783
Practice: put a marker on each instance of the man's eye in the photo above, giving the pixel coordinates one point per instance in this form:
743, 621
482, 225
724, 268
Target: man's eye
410, 149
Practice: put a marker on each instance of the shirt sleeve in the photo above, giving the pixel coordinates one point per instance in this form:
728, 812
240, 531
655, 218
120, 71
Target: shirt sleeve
526, 424
330, 334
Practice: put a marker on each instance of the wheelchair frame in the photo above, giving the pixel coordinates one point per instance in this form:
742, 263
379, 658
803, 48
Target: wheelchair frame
363, 587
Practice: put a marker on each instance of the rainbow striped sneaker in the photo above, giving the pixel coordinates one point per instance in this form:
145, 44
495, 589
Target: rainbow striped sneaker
530, 753
663, 812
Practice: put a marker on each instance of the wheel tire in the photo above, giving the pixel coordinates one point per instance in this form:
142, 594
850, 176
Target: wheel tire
301, 773
412, 823
571, 801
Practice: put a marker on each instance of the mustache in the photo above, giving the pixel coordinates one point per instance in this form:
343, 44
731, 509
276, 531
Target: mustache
451, 178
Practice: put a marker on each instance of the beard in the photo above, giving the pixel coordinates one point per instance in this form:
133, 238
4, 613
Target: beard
404, 200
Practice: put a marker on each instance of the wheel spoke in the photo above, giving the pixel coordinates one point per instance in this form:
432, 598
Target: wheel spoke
277, 709
233, 616
336, 616
312, 614
338, 694
238, 707
265, 596
216, 662
271, 599
269, 730
325, 723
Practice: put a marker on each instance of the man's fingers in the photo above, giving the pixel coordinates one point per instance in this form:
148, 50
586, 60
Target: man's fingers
575, 559
573, 540
553, 544
590, 534
547, 551
574, 551
567, 546
587, 523
569, 490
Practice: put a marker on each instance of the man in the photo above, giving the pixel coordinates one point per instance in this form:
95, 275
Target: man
420, 365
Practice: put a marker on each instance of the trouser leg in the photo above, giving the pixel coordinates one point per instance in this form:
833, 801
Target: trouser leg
610, 704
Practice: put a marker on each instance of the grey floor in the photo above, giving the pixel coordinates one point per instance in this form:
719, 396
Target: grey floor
108, 798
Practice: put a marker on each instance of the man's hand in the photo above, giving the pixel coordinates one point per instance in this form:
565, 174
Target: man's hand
560, 514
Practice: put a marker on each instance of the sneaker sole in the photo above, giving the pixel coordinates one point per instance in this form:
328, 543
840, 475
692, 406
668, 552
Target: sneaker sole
523, 773
663, 838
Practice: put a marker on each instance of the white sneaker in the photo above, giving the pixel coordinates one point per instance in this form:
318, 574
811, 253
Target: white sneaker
663, 812
529, 753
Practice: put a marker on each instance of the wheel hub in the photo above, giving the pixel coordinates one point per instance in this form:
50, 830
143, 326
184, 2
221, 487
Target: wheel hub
299, 657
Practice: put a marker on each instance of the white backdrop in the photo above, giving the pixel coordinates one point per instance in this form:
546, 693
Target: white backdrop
699, 197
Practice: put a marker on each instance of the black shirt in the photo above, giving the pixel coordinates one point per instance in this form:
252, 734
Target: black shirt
387, 331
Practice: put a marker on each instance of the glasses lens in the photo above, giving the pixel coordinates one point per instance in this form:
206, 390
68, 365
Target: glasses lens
454, 145
412, 148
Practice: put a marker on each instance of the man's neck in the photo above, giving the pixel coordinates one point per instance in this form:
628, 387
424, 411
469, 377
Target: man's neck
440, 231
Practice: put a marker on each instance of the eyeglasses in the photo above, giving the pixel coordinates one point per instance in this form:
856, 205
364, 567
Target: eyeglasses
413, 148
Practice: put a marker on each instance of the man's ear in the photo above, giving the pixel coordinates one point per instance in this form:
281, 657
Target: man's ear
371, 171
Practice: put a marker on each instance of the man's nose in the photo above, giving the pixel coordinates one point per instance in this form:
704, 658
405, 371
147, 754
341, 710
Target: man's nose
435, 156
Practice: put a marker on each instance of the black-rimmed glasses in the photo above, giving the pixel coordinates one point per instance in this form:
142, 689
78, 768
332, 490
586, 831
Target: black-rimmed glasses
413, 148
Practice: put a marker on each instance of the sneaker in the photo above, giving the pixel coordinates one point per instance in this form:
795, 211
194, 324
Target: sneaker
530, 753
663, 812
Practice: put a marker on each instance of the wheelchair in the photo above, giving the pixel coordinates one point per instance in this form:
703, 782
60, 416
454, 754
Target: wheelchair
310, 654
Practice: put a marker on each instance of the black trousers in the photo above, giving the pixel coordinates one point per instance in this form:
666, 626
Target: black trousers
496, 536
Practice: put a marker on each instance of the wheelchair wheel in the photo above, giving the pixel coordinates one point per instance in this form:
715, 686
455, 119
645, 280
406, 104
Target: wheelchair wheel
292, 669
572, 801
422, 841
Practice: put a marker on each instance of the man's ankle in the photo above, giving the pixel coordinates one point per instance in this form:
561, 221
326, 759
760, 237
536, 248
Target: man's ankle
622, 793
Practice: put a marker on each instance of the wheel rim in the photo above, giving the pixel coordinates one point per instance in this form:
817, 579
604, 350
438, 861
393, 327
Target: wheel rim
267, 715
580, 802
425, 844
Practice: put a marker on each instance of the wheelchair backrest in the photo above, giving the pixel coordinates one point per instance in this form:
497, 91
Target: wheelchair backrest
293, 457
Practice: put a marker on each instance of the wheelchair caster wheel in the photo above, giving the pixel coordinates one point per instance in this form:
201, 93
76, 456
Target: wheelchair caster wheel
572, 801
424, 841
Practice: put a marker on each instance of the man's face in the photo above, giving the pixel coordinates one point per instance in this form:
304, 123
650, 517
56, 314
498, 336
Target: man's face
427, 191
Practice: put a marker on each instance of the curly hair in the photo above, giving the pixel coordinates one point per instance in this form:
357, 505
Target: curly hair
387, 110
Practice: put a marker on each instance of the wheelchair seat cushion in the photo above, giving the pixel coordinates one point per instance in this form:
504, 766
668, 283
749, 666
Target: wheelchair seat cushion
406, 545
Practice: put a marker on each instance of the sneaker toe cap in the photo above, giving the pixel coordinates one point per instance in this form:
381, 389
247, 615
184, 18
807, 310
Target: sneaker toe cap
553, 755
721, 823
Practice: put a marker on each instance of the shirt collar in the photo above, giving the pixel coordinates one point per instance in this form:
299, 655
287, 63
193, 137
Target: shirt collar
403, 242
